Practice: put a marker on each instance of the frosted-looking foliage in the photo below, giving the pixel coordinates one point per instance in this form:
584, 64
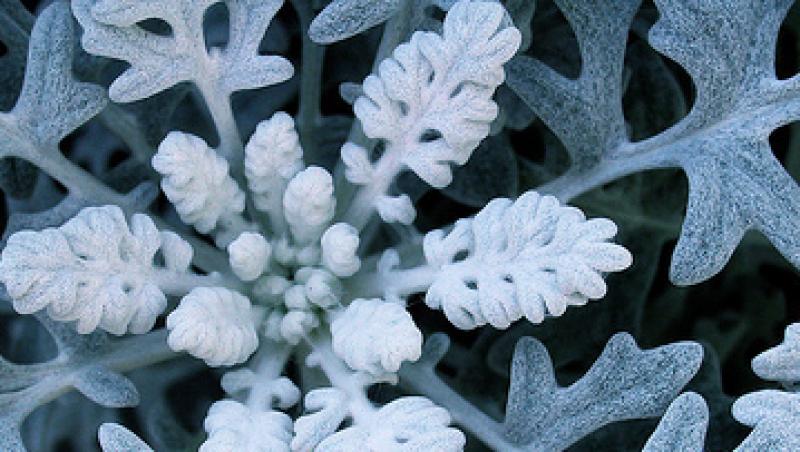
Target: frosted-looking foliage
406, 424
528, 257
116, 438
196, 181
431, 104
309, 204
542, 415
215, 325
326, 408
638, 384
345, 18
735, 182
319, 254
158, 62
774, 416
375, 336
90, 363
93, 270
52, 102
339, 249
249, 255
233, 426
272, 157
431, 101
683, 426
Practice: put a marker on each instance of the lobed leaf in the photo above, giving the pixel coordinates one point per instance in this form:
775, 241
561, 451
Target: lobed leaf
431, 101
93, 270
52, 102
782, 362
775, 418
160, 62
624, 383
530, 257
234, 426
376, 336
736, 183
683, 426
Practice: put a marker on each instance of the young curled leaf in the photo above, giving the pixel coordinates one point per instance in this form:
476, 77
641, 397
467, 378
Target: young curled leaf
234, 426
326, 409
376, 336
196, 181
215, 325
406, 424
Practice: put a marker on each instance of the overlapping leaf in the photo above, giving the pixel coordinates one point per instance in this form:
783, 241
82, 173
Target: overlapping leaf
159, 62
52, 102
624, 383
736, 184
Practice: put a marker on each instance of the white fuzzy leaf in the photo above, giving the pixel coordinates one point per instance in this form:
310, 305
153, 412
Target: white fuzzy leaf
93, 270
683, 427
160, 62
215, 325
396, 209
375, 336
339, 250
52, 102
431, 101
524, 258
326, 408
271, 158
309, 204
196, 181
232, 426
358, 168
406, 424
280, 391
249, 255
177, 252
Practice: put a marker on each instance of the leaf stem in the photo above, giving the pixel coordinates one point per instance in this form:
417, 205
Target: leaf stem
363, 204
399, 282
394, 32
271, 359
125, 355
230, 142
344, 379
312, 60
422, 379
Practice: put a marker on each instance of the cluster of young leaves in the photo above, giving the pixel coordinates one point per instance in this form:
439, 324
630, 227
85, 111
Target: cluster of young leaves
701, 144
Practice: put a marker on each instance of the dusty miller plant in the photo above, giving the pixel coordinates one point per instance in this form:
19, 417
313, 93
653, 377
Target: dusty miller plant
181, 200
